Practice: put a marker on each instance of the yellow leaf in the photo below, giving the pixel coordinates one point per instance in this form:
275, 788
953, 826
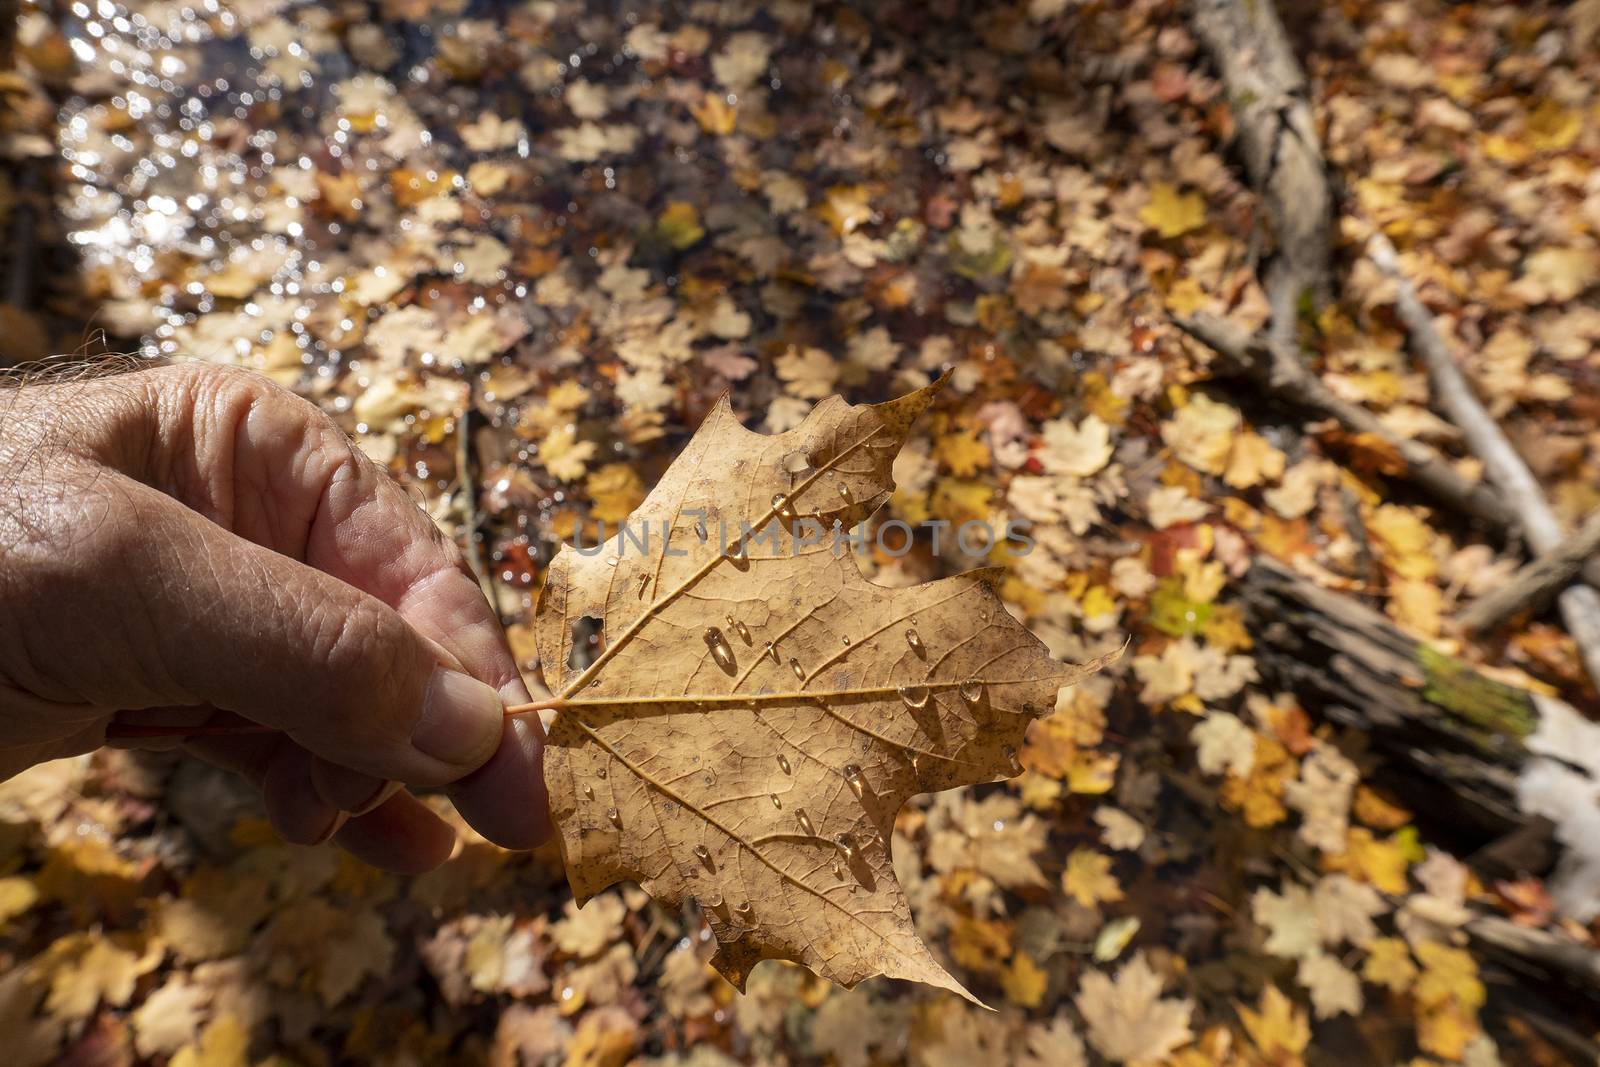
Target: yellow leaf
1186, 297
846, 208
1025, 982
1092, 773
1279, 1030
1377, 811
1259, 796
1389, 964
715, 115
1552, 127
567, 396
961, 501
563, 455
615, 490
1502, 149
1417, 605
679, 225
1098, 601
1448, 974
17, 895
980, 944
84, 969
1171, 213
1404, 540
1088, 878
1201, 433
1253, 461
223, 1043
1381, 862
1446, 1030
964, 453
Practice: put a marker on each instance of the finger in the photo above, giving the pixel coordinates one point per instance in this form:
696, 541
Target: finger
400, 835
318, 498
207, 617
294, 807
505, 799
349, 790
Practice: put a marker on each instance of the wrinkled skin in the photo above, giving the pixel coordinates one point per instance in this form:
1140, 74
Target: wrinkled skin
192, 544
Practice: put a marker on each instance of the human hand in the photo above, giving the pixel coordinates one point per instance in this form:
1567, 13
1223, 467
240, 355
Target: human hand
186, 544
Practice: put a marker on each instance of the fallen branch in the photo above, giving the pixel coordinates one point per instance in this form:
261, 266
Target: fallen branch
1556, 953
1280, 148
1535, 583
1505, 469
1284, 377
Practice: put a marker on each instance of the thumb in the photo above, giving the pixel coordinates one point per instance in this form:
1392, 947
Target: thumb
229, 623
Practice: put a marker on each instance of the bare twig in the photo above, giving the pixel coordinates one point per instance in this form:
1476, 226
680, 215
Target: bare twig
1531, 586
1552, 952
1580, 604
467, 487
22, 242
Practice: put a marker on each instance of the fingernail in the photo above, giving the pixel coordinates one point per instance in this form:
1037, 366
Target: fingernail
349, 790
462, 719
338, 820
381, 797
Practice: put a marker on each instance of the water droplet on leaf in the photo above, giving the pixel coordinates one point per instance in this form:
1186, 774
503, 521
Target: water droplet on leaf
720, 650
805, 822
614, 816
858, 784
783, 764
915, 641
915, 696
971, 690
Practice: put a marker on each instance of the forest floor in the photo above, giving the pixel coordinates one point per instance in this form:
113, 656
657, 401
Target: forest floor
518, 250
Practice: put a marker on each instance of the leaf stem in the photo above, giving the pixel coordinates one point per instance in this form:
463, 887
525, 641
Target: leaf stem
553, 704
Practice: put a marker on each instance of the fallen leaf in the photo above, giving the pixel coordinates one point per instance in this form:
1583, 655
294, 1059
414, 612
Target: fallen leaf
1276, 1027
1128, 1019
1024, 981
759, 711
1171, 213
1088, 878
1334, 988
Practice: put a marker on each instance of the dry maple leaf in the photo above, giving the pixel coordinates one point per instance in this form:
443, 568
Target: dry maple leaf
759, 711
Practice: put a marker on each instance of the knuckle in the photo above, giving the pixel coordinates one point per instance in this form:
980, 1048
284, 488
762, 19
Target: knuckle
368, 657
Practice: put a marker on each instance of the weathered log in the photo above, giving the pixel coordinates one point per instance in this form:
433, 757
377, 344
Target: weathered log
1487, 760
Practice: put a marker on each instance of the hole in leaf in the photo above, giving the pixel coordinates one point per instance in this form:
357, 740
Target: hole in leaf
586, 642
